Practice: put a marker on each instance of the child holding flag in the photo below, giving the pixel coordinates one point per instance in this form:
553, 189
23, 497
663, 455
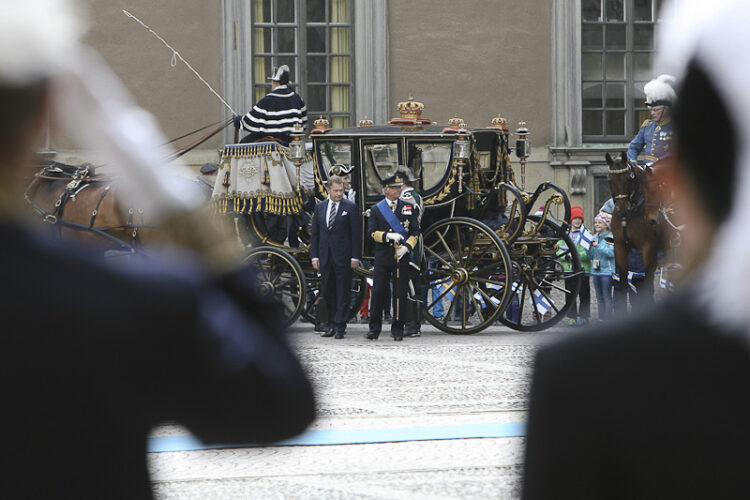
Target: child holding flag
602, 254
578, 315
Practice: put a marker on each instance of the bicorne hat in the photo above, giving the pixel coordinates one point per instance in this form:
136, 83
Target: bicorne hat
406, 173
339, 169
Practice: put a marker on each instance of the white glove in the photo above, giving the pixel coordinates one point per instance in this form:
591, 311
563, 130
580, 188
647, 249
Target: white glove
394, 237
401, 251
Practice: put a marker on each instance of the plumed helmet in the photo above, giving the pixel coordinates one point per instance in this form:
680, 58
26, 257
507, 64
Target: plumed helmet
660, 91
280, 74
406, 173
339, 169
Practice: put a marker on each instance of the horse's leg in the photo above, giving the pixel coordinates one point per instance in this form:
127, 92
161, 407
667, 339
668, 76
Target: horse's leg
649, 250
620, 292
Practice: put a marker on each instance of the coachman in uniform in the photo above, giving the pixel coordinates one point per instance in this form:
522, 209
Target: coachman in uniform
394, 227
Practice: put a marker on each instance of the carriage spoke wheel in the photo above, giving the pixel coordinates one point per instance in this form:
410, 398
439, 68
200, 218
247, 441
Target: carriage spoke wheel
547, 275
468, 275
279, 276
310, 308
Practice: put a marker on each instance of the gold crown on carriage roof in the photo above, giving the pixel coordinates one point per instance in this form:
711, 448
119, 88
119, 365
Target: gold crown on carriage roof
410, 109
455, 122
500, 122
321, 123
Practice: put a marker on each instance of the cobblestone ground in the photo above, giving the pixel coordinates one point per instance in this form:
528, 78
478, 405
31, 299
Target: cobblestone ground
433, 380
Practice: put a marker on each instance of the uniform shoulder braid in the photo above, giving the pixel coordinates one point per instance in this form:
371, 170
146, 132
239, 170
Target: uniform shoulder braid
645, 123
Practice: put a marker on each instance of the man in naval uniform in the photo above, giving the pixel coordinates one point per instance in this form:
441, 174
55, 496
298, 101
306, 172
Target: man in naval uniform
276, 114
394, 227
413, 328
654, 139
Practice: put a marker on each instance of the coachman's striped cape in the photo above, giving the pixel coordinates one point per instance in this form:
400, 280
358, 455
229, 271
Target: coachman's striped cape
275, 115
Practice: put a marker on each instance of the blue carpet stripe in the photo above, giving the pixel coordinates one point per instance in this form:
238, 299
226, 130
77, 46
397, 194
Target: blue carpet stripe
327, 437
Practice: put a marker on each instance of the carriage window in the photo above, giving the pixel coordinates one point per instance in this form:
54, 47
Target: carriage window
331, 153
435, 159
617, 38
380, 161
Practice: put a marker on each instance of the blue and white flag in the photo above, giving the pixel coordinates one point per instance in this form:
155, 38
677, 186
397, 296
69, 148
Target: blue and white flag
542, 304
664, 282
616, 278
493, 299
586, 238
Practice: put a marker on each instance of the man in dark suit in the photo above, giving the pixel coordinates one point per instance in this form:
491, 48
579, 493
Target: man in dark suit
335, 249
394, 227
94, 354
657, 406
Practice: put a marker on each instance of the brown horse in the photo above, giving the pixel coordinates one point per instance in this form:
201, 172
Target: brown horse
78, 204
636, 223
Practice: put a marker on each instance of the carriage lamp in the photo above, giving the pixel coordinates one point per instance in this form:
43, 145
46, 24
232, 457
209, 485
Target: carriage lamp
297, 149
523, 149
461, 148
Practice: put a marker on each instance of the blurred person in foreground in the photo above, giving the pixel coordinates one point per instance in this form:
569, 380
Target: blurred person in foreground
657, 406
95, 355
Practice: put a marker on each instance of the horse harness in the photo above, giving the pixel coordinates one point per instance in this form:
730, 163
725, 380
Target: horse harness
80, 178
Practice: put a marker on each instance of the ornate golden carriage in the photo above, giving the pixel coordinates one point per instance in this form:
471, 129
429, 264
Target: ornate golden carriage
490, 255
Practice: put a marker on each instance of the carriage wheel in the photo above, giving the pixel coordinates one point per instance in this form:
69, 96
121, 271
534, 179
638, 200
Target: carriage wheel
468, 275
310, 309
544, 290
279, 276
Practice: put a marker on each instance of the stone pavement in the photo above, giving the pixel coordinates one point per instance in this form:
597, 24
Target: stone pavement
437, 380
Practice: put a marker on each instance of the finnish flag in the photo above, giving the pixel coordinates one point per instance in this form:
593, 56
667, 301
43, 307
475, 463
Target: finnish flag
586, 239
542, 304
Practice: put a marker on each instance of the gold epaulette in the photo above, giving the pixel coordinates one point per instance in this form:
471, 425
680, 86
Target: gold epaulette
645, 122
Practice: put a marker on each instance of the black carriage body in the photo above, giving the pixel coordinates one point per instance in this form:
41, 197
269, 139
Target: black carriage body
488, 256
427, 150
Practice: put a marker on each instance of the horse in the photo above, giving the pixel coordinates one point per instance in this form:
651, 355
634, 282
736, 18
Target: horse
77, 203
636, 222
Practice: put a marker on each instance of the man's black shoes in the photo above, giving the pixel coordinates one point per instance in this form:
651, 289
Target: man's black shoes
330, 333
339, 335
372, 336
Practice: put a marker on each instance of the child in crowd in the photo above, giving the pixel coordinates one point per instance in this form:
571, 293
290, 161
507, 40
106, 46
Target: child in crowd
580, 312
602, 255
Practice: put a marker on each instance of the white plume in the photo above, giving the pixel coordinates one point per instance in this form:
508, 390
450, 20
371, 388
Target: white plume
660, 89
36, 38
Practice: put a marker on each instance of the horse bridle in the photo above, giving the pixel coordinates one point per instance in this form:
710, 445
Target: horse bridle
633, 205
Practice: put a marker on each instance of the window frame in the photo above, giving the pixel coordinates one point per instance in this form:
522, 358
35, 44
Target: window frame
634, 113
299, 73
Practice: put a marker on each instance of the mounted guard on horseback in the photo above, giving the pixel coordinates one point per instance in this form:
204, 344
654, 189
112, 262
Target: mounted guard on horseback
640, 220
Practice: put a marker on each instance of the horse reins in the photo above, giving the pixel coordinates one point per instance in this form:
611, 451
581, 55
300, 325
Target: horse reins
79, 180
